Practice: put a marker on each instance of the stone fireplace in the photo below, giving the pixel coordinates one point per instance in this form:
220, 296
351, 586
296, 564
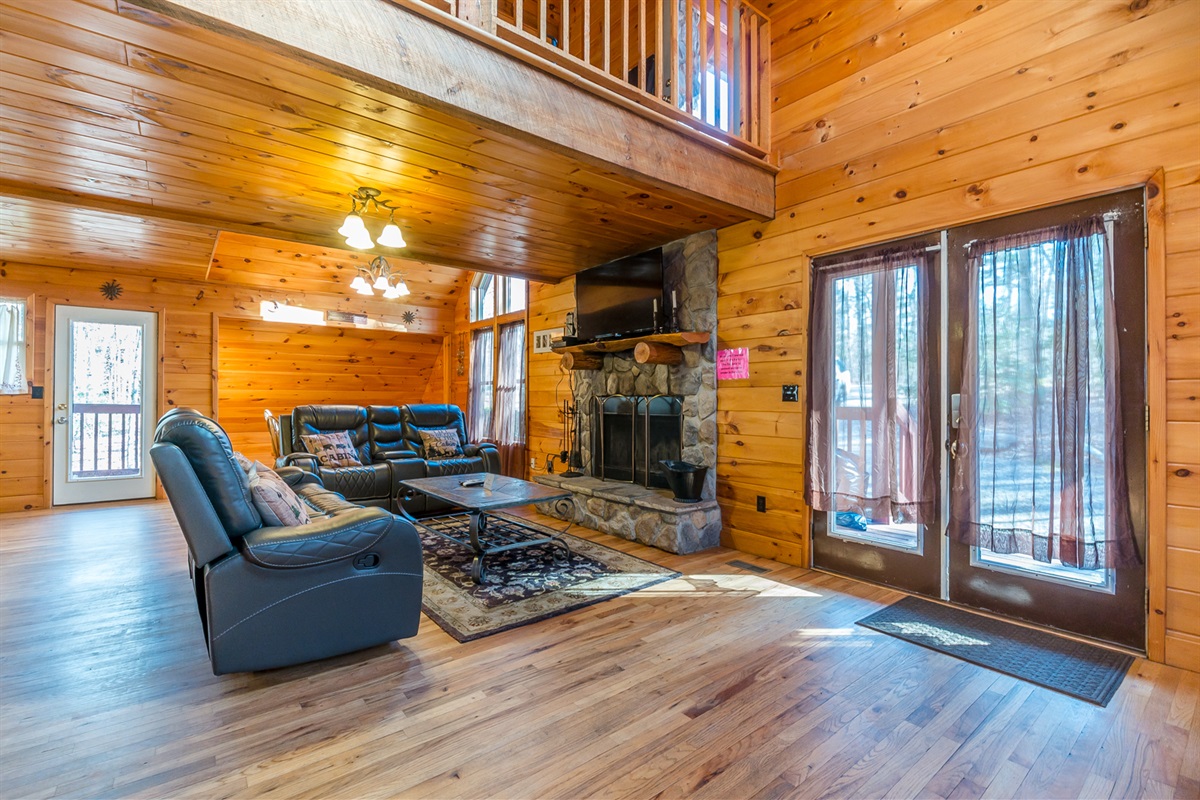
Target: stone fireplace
614, 496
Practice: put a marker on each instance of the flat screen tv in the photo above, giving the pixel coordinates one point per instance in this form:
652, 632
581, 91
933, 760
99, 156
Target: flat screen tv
617, 299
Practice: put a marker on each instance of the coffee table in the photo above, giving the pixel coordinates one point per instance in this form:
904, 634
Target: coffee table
486, 534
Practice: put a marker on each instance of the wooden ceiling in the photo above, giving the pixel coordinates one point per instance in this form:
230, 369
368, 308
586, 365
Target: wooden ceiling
129, 140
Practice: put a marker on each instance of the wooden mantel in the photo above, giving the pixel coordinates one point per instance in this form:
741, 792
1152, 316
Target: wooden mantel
657, 348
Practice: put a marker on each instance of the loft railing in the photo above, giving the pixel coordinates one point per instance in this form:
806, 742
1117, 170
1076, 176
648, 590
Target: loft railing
105, 440
718, 52
722, 88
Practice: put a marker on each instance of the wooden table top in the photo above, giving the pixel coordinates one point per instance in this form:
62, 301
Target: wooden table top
506, 492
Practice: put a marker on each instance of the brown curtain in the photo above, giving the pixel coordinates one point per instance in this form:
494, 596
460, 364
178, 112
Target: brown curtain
870, 419
509, 419
480, 400
1040, 465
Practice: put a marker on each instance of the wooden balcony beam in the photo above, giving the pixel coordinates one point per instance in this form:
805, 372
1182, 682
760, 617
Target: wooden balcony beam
434, 59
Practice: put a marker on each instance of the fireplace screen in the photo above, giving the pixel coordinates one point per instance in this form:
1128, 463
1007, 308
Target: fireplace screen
635, 433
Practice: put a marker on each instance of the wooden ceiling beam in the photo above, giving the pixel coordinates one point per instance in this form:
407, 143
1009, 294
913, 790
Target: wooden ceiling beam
215, 224
439, 64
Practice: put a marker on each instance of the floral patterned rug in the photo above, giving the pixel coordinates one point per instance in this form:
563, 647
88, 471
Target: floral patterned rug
527, 584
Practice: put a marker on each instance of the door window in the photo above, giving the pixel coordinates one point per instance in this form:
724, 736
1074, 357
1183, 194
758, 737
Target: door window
871, 472
106, 400
1034, 404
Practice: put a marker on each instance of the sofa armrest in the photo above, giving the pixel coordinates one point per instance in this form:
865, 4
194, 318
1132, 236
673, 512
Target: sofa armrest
305, 461
488, 452
397, 455
295, 476
323, 541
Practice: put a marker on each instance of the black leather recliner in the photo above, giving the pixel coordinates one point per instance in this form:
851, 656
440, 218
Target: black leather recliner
371, 484
272, 597
476, 457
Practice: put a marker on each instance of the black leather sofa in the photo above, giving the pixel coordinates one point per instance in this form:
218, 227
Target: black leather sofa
388, 442
372, 484
272, 597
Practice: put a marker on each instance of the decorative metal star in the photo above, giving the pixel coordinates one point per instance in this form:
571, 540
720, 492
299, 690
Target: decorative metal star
409, 317
112, 290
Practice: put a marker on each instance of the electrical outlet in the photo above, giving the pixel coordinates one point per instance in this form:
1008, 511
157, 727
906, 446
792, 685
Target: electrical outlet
791, 393
761, 503
533, 462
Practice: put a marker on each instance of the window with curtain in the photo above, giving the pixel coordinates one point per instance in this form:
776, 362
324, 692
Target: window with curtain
1040, 468
871, 459
497, 384
12, 347
481, 389
508, 420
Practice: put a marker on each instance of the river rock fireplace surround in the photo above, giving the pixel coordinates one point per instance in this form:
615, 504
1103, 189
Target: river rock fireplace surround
675, 408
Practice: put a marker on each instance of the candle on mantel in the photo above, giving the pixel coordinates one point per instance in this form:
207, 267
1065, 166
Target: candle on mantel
673, 305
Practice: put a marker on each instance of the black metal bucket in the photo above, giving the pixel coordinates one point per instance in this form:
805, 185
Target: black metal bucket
685, 479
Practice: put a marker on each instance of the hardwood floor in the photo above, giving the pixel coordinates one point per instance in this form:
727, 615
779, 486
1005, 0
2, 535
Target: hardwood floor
721, 684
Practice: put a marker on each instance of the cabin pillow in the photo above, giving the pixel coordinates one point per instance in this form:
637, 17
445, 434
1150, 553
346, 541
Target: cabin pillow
441, 443
277, 504
331, 449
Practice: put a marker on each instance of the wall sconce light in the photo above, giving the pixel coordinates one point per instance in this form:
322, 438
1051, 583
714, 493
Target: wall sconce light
379, 276
355, 230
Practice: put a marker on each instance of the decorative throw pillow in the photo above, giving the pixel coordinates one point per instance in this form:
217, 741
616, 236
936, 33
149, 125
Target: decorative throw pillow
246, 464
332, 449
278, 505
441, 443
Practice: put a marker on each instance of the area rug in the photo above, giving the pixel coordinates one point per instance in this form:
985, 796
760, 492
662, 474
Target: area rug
525, 585
1074, 668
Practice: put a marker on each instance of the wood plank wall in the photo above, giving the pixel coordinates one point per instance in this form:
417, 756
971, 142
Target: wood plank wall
897, 118
278, 366
548, 386
188, 308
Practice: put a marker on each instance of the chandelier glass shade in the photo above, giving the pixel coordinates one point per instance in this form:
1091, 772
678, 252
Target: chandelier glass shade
355, 230
379, 277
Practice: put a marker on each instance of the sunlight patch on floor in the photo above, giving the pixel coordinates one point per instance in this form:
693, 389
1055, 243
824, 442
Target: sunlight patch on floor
754, 585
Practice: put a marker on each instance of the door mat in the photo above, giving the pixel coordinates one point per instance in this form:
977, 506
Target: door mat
1074, 668
525, 585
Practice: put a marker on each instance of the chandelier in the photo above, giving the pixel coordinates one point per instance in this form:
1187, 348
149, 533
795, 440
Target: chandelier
355, 231
379, 276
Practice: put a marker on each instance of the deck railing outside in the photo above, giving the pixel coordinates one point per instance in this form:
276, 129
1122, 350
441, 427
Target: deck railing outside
105, 440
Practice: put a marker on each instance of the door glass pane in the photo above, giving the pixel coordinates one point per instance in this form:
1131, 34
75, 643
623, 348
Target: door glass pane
1021, 484
106, 400
869, 317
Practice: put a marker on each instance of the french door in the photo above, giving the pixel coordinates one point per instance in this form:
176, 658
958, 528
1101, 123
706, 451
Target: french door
880, 325
1020, 469
105, 404
1025, 479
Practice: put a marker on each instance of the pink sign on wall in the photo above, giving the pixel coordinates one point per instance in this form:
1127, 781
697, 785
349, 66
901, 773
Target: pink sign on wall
733, 364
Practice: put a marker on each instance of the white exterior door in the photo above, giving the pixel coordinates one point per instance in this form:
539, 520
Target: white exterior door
105, 404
